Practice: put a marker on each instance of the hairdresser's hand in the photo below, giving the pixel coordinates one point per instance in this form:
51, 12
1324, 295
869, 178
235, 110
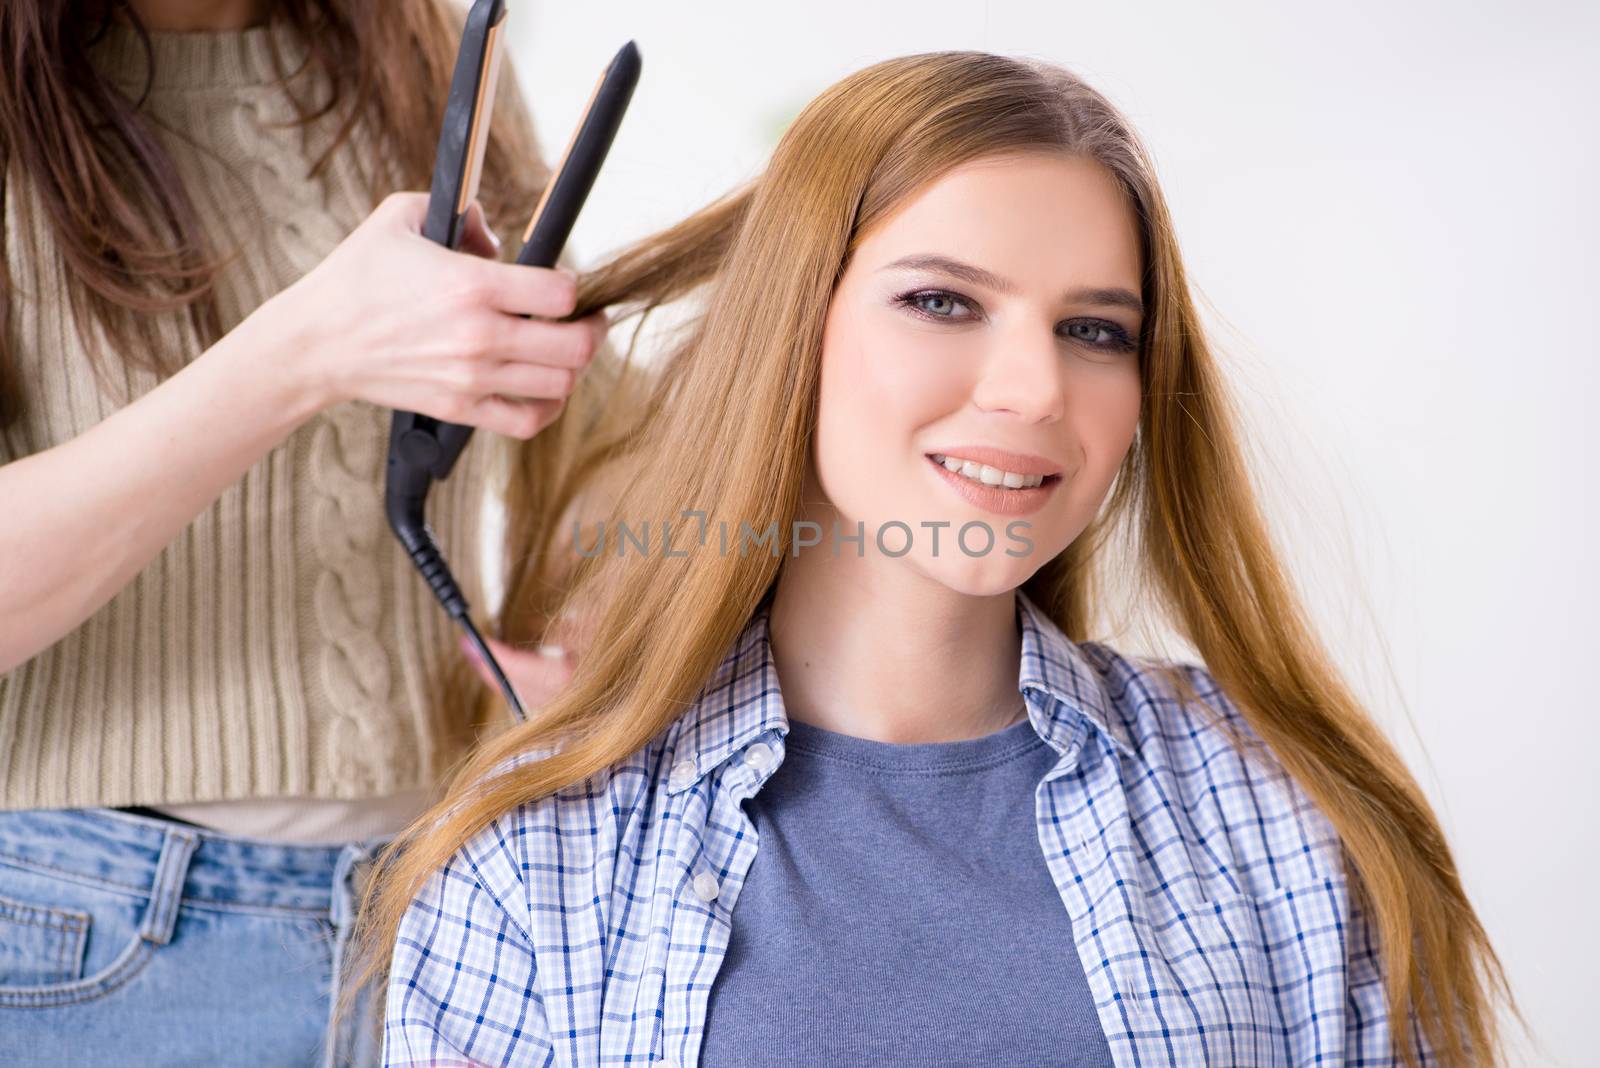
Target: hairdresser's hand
391, 318
537, 674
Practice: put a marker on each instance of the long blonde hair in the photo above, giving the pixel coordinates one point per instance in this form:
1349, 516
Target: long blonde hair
723, 423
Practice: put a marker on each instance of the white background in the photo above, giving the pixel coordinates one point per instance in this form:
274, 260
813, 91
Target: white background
1388, 212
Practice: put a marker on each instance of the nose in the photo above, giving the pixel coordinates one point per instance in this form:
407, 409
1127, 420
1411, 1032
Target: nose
1023, 375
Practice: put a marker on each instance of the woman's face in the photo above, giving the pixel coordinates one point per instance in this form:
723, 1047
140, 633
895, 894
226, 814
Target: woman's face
1021, 354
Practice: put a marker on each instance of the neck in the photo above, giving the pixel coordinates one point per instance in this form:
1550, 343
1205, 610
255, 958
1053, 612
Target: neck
187, 16
866, 646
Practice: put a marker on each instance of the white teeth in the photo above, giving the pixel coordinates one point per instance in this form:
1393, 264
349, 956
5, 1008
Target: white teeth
989, 476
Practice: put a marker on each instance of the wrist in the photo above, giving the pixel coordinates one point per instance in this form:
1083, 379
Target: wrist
290, 354
278, 368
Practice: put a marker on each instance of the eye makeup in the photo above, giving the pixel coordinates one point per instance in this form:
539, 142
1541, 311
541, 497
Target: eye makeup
1117, 339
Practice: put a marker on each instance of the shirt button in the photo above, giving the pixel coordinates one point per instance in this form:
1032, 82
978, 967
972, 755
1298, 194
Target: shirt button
758, 756
705, 886
682, 774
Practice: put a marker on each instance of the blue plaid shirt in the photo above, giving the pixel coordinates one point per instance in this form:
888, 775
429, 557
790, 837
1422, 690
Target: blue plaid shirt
1207, 894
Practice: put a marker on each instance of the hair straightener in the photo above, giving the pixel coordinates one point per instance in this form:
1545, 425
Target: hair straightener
422, 450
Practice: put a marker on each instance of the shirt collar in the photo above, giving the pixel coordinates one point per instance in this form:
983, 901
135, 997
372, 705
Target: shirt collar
742, 702
1067, 683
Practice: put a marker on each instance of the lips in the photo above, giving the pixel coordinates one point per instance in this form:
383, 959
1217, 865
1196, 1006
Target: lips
997, 499
1022, 463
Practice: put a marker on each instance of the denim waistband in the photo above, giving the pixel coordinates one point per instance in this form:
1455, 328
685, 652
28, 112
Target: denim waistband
108, 848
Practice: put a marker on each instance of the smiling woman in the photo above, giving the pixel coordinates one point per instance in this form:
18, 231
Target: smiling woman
880, 782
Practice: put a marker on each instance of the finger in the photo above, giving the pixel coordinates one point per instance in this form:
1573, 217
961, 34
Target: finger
569, 344
547, 657
476, 659
515, 418
510, 656
477, 238
550, 292
478, 664
537, 674
516, 380
600, 323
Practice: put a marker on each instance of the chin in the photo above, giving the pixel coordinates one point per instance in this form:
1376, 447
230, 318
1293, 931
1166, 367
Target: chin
986, 576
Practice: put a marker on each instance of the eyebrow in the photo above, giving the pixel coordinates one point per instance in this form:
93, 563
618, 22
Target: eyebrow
1109, 296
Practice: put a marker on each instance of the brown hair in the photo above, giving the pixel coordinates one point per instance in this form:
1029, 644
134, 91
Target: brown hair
127, 231
727, 422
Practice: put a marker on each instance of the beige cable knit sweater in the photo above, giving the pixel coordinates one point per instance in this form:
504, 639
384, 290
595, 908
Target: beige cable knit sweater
282, 646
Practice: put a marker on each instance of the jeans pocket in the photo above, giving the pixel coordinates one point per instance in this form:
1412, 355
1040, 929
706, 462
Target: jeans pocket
118, 928
106, 947
39, 943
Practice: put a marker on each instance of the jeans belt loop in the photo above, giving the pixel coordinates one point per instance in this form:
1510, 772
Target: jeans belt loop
166, 891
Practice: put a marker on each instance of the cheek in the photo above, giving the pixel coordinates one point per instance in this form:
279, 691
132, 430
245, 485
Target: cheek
878, 389
1103, 411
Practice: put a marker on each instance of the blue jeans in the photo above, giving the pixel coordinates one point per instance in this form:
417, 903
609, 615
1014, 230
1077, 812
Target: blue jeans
134, 940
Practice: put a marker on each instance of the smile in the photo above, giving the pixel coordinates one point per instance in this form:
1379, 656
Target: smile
989, 476
990, 488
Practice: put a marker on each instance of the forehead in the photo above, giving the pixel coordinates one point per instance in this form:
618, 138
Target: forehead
1035, 213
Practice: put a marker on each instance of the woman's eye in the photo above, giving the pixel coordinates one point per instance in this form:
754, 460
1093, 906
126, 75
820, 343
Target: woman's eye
1104, 335
933, 303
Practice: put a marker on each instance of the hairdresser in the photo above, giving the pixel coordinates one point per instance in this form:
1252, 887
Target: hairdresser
218, 673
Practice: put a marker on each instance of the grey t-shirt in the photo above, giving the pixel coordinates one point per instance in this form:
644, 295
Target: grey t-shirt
899, 911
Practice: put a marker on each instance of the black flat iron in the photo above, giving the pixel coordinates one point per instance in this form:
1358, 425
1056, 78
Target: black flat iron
423, 450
